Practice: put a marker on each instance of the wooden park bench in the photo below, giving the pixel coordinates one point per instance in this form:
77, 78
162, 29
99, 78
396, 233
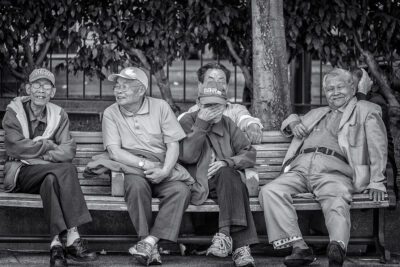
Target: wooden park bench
270, 155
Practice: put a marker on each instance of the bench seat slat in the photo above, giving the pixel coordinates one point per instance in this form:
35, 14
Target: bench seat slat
360, 201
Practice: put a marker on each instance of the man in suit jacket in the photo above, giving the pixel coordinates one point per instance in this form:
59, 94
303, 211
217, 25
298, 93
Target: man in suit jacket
336, 151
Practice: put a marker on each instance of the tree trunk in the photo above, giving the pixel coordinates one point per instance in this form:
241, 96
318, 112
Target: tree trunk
161, 78
271, 95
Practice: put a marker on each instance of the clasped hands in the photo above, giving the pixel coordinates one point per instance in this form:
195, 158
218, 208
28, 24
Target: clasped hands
154, 172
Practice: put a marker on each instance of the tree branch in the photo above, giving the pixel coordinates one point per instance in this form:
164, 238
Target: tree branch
239, 62
27, 49
46, 46
377, 74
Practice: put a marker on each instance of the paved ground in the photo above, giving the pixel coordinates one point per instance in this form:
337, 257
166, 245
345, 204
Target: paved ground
10, 258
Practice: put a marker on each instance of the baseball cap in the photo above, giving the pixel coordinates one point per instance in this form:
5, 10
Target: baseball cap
42, 73
213, 93
131, 73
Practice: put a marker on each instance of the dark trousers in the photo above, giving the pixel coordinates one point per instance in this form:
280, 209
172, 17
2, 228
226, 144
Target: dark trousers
228, 190
174, 198
63, 202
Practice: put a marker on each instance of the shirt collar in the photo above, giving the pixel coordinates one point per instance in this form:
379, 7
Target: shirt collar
42, 117
144, 109
218, 128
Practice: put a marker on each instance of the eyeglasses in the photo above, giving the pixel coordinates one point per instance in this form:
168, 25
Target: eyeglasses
125, 87
45, 87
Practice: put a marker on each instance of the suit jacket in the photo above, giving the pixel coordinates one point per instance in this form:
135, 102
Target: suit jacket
228, 141
362, 139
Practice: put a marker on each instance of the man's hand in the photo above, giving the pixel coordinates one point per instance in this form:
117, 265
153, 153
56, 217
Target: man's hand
254, 133
148, 165
375, 195
214, 167
156, 175
298, 129
52, 144
210, 113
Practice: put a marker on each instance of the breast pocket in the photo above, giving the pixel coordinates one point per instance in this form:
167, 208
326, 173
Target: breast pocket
356, 135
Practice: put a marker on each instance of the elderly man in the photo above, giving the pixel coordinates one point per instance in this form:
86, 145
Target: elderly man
336, 151
215, 151
218, 73
40, 150
142, 132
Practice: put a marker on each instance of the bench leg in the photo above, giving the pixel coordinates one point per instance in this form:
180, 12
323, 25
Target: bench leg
379, 234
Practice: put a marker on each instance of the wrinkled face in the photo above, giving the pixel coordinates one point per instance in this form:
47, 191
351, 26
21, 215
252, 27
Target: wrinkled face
220, 108
338, 91
215, 75
128, 92
40, 92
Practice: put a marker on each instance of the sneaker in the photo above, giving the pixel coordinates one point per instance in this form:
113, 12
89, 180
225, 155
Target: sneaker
336, 254
155, 258
221, 246
242, 257
142, 252
300, 257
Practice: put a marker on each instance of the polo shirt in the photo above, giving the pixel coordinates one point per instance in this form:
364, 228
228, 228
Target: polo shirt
152, 127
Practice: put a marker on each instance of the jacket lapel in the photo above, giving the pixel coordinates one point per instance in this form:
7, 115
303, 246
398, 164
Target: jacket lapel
347, 112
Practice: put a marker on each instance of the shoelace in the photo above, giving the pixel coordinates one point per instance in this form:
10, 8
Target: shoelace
144, 246
220, 241
242, 252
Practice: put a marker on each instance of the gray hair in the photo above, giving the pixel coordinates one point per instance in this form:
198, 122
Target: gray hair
338, 72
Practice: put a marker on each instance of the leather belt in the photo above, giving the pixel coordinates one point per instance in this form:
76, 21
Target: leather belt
324, 150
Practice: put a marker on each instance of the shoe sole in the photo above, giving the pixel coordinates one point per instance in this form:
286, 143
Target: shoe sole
142, 259
335, 256
155, 263
81, 259
299, 262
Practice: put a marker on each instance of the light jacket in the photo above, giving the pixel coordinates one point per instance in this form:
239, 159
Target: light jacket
38, 150
362, 140
228, 141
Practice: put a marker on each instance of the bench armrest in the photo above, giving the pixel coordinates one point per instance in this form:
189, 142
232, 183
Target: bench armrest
391, 180
117, 184
252, 181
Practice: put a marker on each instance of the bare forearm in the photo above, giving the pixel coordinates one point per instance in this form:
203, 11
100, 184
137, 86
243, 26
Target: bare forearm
123, 156
171, 156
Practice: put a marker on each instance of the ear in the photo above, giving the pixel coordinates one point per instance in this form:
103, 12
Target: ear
53, 92
28, 89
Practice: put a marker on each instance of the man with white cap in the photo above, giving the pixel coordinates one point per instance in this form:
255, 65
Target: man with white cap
216, 152
40, 150
142, 132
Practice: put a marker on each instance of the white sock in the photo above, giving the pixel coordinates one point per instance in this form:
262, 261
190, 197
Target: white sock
72, 235
151, 240
55, 242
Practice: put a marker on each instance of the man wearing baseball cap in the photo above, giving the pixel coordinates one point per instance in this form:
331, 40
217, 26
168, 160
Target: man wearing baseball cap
40, 150
239, 114
216, 152
142, 132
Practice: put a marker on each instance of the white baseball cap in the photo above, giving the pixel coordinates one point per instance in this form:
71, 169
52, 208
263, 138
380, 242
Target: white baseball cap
131, 73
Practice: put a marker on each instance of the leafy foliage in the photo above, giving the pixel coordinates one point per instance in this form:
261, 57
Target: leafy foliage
330, 29
28, 29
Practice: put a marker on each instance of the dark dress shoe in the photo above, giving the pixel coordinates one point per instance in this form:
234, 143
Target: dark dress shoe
57, 257
300, 257
336, 254
78, 251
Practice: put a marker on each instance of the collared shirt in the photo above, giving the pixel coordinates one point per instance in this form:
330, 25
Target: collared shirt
37, 125
150, 129
325, 133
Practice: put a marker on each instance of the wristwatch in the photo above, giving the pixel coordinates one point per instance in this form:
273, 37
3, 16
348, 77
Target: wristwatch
141, 164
